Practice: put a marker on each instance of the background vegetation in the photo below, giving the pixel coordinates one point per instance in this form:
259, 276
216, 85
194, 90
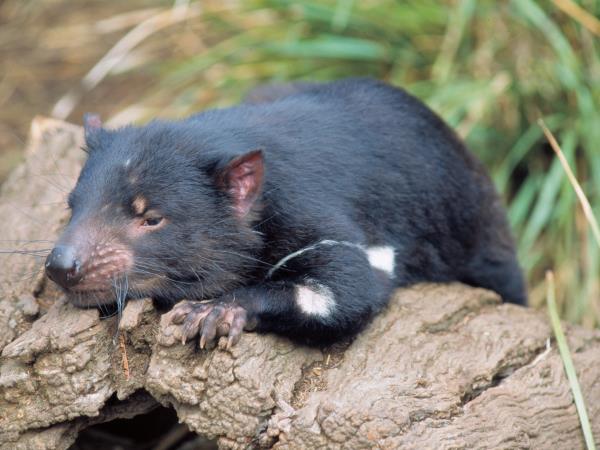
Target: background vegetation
491, 69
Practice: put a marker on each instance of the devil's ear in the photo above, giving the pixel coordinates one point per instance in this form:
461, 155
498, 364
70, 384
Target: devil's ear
96, 137
91, 123
242, 179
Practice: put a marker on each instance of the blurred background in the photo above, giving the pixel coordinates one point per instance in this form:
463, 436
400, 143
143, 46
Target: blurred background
491, 69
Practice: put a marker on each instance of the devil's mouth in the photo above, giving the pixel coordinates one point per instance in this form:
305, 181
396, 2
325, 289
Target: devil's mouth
86, 298
95, 297
82, 290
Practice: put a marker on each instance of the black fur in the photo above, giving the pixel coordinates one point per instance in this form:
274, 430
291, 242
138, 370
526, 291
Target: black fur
354, 161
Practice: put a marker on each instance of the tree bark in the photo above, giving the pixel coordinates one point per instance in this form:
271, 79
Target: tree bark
445, 366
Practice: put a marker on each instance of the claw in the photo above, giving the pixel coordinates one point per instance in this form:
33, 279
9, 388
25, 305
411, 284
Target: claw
230, 343
193, 321
209, 321
237, 324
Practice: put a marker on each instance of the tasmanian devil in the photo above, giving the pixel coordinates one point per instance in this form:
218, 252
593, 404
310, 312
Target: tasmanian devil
296, 212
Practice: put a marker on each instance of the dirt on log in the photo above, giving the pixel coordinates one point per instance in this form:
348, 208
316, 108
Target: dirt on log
445, 366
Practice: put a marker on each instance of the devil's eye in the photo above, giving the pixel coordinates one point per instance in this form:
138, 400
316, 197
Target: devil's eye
152, 221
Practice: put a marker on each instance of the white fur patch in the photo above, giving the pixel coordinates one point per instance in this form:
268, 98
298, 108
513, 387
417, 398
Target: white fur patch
382, 258
316, 299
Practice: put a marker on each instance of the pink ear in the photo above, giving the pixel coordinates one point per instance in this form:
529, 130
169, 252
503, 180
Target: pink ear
242, 179
91, 123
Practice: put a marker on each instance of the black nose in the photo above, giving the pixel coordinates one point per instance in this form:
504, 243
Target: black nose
63, 267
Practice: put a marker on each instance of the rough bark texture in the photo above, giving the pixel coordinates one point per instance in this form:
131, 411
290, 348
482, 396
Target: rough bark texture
442, 367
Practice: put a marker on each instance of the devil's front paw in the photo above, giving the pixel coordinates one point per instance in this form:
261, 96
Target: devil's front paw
207, 320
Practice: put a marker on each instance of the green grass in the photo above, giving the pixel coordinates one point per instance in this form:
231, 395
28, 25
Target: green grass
565, 355
561, 340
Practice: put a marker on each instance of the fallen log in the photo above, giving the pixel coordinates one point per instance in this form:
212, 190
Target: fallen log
445, 366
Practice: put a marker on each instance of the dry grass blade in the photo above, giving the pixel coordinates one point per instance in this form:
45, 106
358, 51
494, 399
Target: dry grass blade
125, 20
124, 359
63, 108
585, 204
580, 15
565, 355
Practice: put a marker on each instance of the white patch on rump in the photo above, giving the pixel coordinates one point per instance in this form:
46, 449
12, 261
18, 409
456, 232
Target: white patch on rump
315, 299
382, 258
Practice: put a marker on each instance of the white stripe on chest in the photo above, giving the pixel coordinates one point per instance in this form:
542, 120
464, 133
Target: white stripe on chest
381, 257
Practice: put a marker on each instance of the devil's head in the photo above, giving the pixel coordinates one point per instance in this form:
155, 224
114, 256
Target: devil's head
158, 211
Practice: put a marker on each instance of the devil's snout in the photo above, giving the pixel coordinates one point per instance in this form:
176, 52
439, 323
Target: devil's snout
63, 267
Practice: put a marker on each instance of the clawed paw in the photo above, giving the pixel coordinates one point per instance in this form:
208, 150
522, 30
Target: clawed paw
209, 321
